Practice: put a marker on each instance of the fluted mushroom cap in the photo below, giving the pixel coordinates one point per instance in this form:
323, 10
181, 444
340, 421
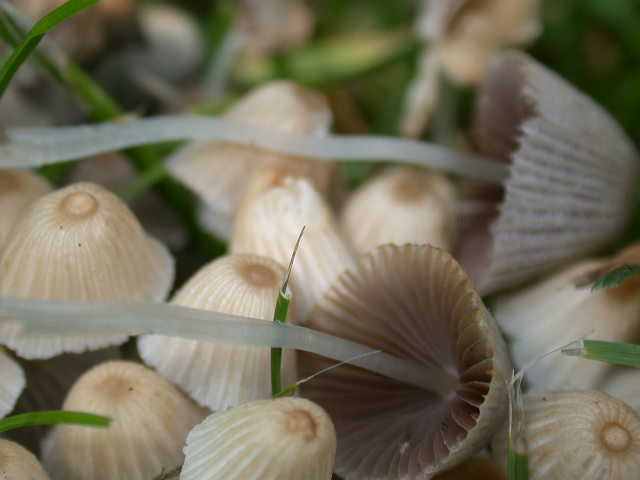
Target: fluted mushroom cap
80, 243
412, 302
401, 205
571, 183
290, 438
18, 463
219, 172
12, 384
18, 188
578, 434
215, 375
150, 421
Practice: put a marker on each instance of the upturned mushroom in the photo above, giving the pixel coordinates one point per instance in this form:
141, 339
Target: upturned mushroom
414, 302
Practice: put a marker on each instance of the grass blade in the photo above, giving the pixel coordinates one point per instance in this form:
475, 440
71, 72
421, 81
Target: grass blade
615, 277
609, 352
26, 47
51, 417
517, 466
517, 459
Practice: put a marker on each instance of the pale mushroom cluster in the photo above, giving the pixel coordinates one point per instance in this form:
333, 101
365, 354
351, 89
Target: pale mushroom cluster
399, 265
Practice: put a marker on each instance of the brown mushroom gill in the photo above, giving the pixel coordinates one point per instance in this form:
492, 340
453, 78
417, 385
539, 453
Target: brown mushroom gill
413, 302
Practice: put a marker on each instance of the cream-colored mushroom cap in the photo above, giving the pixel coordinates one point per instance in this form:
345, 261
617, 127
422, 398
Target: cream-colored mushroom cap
150, 421
571, 182
401, 205
18, 463
12, 383
18, 188
578, 434
413, 302
215, 375
219, 172
563, 308
269, 221
290, 438
80, 243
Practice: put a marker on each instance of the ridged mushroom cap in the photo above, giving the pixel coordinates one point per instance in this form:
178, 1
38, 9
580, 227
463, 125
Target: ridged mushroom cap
401, 205
150, 421
290, 438
219, 172
18, 189
80, 243
412, 302
269, 221
571, 182
222, 376
578, 434
12, 384
563, 308
18, 463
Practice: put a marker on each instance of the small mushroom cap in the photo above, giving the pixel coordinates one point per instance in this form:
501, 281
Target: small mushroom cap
572, 176
12, 384
18, 189
18, 463
578, 434
80, 243
402, 205
269, 222
222, 376
561, 309
290, 438
412, 302
150, 421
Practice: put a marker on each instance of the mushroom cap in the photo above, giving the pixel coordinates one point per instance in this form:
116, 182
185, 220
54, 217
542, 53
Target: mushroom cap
269, 221
578, 434
572, 176
215, 375
18, 189
623, 383
413, 302
18, 463
401, 205
150, 421
80, 243
290, 438
12, 384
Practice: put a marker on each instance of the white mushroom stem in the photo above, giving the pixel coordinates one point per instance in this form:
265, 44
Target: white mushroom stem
135, 318
39, 146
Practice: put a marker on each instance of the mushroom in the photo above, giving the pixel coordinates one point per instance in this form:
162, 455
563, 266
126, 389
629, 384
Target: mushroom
81, 243
12, 384
150, 421
401, 205
290, 438
623, 383
414, 302
18, 463
578, 434
223, 376
571, 183
563, 308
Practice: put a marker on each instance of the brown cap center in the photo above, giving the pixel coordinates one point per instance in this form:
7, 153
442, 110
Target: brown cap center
615, 437
259, 275
301, 423
409, 189
79, 205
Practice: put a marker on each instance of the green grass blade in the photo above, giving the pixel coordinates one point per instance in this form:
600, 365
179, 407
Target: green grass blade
609, 352
517, 466
26, 47
52, 417
615, 277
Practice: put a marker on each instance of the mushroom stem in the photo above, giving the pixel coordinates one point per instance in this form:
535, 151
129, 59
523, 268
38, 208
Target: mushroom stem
39, 146
66, 317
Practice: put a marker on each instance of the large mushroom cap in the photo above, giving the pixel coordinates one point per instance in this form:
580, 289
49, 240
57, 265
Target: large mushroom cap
573, 173
412, 302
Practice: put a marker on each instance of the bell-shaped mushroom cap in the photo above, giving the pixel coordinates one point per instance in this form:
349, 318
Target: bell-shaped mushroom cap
413, 302
12, 384
80, 243
402, 205
269, 221
219, 172
578, 434
561, 309
150, 421
290, 438
223, 376
572, 176
18, 188
18, 463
